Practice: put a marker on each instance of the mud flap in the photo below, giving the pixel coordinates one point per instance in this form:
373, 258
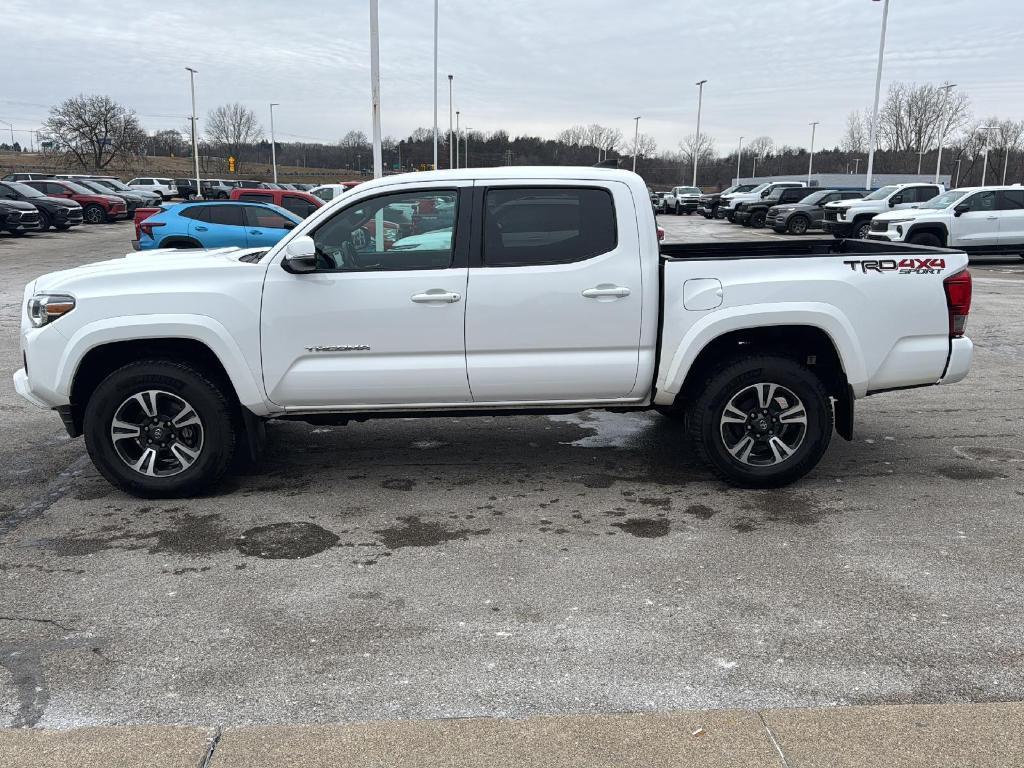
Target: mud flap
842, 409
255, 434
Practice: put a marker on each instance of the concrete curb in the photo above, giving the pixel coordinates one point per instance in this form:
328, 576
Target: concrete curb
912, 736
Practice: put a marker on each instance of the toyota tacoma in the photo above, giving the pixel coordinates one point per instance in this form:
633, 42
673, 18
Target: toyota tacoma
538, 290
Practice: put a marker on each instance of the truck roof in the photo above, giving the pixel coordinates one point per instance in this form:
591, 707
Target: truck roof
553, 172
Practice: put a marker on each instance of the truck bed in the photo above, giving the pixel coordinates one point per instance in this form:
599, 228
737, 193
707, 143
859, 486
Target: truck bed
796, 249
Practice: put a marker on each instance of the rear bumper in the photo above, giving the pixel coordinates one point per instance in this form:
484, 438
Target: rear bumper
961, 353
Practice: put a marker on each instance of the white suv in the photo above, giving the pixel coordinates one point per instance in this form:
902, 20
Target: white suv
166, 188
973, 219
727, 203
852, 218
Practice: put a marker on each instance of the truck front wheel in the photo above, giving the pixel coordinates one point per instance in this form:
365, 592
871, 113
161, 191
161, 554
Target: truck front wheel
158, 428
761, 422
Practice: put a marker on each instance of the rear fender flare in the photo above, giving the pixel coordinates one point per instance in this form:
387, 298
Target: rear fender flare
824, 317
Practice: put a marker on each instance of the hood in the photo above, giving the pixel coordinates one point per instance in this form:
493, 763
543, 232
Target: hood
843, 203
902, 214
161, 264
16, 205
64, 202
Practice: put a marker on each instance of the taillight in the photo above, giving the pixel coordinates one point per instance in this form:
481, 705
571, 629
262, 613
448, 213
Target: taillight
958, 300
147, 227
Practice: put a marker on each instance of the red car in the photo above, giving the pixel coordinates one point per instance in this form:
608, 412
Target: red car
300, 203
96, 208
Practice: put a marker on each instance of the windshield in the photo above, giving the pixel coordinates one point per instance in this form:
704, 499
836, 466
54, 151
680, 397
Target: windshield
881, 194
759, 187
24, 189
78, 189
687, 191
92, 186
815, 197
944, 200
115, 184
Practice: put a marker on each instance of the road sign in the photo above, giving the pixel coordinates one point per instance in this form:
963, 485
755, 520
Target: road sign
231, 164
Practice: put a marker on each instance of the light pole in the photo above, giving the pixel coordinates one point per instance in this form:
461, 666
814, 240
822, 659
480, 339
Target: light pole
942, 128
457, 113
1006, 162
195, 143
739, 156
435, 85
465, 144
451, 147
920, 156
11, 126
378, 156
696, 147
956, 183
810, 162
878, 85
273, 145
856, 165
636, 139
984, 163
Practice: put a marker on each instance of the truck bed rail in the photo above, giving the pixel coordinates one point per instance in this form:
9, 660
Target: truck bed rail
801, 249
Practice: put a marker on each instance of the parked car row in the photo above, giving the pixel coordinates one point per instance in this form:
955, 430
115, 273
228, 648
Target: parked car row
973, 219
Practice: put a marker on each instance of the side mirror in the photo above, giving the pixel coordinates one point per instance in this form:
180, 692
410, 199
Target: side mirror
300, 255
961, 209
895, 200
765, 193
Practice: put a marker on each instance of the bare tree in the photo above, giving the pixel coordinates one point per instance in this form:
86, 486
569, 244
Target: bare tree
855, 138
646, 146
94, 131
168, 143
760, 146
233, 128
700, 147
914, 116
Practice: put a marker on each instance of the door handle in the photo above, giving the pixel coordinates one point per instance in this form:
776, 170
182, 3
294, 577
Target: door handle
604, 290
255, 232
991, 218
436, 296
200, 229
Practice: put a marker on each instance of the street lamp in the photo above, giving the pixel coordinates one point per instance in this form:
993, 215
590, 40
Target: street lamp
878, 85
984, 164
696, 146
942, 127
451, 147
435, 85
810, 162
920, 156
465, 144
739, 156
195, 143
378, 155
636, 139
273, 145
457, 113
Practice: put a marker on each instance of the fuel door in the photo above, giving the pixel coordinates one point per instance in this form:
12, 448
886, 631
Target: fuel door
702, 293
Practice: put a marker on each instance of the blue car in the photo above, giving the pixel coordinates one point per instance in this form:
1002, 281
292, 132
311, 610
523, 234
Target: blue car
215, 225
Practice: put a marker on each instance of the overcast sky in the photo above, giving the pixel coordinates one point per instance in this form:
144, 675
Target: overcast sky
530, 66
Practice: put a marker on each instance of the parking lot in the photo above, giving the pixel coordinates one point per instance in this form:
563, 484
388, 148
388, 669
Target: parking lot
518, 565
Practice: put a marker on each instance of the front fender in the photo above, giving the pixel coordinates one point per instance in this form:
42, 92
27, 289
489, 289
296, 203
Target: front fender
714, 324
241, 368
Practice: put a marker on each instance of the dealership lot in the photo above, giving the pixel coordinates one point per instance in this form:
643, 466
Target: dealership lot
516, 566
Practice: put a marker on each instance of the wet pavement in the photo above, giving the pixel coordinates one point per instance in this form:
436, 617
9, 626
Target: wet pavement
514, 566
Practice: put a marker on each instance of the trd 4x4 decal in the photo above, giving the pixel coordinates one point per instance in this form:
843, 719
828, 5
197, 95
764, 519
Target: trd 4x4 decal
903, 266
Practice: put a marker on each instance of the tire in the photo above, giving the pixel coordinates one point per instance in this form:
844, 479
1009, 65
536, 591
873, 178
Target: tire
736, 383
798, 225
17, 232
676, 211
205, 446
926, 238
63, 227
94, 214
688, 212
757, 219
861, 229
44, 221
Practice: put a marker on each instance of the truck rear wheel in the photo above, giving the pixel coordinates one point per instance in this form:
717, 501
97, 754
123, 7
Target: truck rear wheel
761, 422
158, 428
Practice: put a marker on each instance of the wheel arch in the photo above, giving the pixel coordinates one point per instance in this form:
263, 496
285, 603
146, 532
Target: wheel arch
175, 240
933, 227
96, 350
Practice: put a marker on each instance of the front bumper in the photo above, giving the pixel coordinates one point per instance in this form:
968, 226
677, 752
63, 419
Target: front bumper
72, 219
23, 388
740, 217
883, 237
838, 228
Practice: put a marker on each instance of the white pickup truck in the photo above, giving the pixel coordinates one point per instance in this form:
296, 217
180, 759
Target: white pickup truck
507, 290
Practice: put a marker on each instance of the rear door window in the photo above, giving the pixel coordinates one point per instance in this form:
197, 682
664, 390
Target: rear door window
297, 205
531, 226
228, 215
1011, 200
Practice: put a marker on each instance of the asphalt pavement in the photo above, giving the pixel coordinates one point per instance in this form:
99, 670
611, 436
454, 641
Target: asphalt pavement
512, 567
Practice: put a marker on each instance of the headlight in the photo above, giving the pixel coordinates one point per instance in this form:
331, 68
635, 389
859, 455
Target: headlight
44, 308
890, 222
